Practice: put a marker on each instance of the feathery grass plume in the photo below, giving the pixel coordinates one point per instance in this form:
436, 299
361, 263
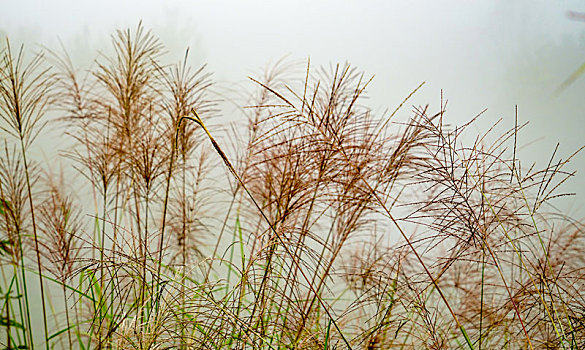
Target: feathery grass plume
311, 135
25, 85
188, 212
427, 134
482, 225
15, 211
24, 97
130, 83
60, 226
345, 229
184, 191
184, 90
129, 89
16, 229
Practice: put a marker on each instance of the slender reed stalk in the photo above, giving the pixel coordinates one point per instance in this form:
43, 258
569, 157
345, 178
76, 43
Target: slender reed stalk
24, 88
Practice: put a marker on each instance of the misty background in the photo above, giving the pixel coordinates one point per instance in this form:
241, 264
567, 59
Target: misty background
483, 54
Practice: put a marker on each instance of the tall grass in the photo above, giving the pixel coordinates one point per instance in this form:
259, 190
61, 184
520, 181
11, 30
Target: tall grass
313, 224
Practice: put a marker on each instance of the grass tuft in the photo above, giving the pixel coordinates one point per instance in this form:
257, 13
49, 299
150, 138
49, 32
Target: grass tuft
313, 223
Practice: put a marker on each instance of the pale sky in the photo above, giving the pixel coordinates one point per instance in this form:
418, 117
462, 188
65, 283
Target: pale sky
484, 54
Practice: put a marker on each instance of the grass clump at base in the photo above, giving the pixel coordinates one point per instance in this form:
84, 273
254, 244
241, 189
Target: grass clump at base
324, 226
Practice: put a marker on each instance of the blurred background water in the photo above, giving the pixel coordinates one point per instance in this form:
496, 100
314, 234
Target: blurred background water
483, 54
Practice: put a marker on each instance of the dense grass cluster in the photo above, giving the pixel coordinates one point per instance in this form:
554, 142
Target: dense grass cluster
313, 225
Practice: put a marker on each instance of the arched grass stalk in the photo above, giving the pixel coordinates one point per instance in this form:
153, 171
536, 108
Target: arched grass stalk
386, 210
196, 119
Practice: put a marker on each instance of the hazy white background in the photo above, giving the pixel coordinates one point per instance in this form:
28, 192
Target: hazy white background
483, 54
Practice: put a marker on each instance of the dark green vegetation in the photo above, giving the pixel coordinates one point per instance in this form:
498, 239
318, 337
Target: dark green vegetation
317, 225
